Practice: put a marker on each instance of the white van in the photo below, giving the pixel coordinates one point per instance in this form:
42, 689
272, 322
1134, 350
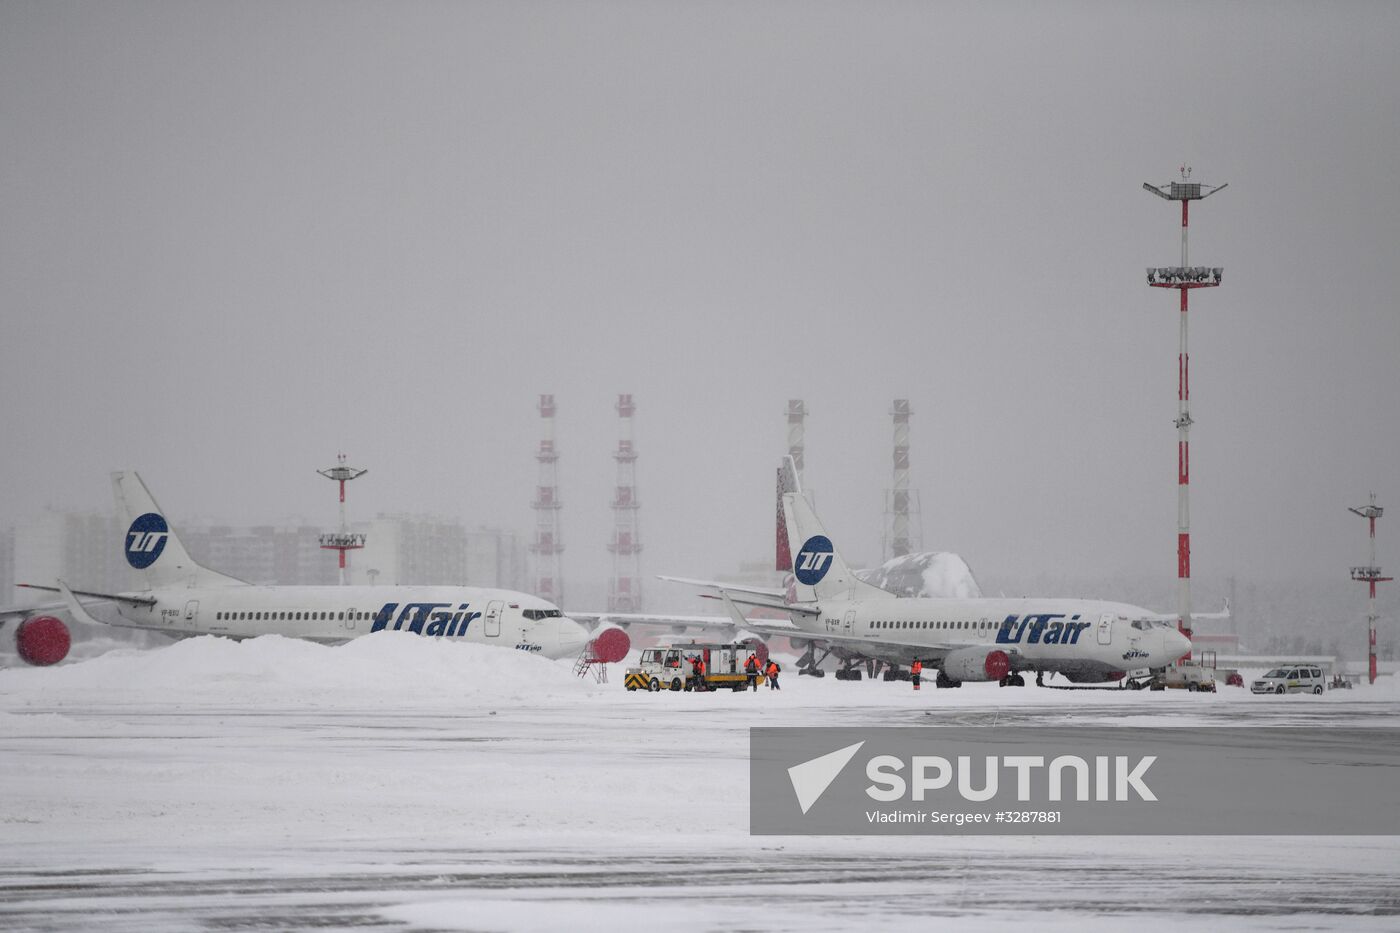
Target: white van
1300, 678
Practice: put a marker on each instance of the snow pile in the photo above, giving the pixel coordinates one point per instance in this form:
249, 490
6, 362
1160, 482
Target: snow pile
371, 670
928, 573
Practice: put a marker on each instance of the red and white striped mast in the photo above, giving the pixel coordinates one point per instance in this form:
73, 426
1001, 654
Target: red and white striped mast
1370, 574
342, 540
1184, 278
625, 593
797, 450
547, 545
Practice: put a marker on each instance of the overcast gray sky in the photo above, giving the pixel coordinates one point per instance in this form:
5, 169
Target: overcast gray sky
236, 238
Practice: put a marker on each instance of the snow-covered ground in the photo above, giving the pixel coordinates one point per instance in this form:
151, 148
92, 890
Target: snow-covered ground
397, 782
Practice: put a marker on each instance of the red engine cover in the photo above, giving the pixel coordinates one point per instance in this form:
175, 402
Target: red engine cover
43, 640
759, 649
997, 664
611, 645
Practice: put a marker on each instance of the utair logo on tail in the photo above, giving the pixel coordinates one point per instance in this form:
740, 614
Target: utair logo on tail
145, 539
813, 561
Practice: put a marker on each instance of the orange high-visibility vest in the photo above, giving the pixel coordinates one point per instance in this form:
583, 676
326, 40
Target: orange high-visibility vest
917, 667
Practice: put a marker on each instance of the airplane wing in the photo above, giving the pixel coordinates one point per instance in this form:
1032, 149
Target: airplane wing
678, 624
726, 625
110, 597
8, 613
1172, 616
756, 596
731, 587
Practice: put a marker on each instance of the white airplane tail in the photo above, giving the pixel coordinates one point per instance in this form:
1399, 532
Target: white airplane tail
819, 571
151, 545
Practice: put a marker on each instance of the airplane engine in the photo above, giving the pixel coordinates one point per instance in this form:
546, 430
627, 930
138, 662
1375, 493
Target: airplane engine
759, 649
611, 645
976, 663
42, 640
1098, 677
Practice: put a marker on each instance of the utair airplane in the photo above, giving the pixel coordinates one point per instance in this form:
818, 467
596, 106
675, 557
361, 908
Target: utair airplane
182, 598
1087, 641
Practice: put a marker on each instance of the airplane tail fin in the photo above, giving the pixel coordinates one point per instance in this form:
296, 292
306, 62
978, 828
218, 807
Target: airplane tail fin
151, 545
819, 571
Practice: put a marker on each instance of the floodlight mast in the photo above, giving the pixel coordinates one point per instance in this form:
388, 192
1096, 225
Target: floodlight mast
1370, 574
342, 540
1183, 278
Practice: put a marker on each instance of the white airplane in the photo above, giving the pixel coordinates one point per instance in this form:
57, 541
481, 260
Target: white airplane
182, 598
979, 639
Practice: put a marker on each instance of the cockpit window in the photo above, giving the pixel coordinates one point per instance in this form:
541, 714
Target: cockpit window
535, 615
1145, 624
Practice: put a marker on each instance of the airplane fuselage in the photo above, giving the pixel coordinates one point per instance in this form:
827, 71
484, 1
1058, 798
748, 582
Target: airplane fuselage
335, 614
1070, 635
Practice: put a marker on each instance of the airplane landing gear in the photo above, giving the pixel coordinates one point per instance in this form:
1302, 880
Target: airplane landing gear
850, 671
1012, 680
807, 664
943, 680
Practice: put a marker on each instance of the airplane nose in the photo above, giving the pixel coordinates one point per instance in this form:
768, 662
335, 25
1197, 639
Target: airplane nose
570, 638
1176, 644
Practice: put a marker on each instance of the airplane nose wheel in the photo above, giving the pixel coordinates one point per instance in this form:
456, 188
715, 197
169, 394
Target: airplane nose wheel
1012, 680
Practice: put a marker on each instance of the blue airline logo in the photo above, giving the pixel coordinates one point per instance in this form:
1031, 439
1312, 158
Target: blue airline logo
145, 539
813, 561
1046, 628
437, 619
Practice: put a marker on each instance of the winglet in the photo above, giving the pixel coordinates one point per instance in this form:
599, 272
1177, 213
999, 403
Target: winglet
733, 610
75, 608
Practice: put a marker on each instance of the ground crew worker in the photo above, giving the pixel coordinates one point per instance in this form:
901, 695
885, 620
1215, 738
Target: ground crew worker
751, 671
772, 673
916, 670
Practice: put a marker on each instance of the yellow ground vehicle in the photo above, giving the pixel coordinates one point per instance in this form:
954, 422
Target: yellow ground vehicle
669, 667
